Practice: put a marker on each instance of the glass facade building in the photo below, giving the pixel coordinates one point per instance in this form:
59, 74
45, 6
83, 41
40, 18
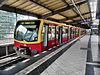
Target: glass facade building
8, 22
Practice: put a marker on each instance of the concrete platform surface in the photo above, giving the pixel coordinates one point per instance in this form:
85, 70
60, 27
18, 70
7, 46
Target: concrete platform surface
72, 62
93, 62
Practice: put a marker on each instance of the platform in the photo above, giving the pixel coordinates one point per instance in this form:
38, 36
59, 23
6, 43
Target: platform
80, 58
6, 42
93, 57
72, 62
6, 47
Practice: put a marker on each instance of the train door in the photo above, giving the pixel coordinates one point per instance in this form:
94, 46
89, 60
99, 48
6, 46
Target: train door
70, 33
73, 32
67, 32
57, 35
64, 35
45, 36
78, 32
60, 35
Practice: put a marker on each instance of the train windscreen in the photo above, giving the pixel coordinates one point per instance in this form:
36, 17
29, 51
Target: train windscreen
27, 30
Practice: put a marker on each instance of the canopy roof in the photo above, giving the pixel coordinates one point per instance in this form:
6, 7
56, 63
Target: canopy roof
58, 10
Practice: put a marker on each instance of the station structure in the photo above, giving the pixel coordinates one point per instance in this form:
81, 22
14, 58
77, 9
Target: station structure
79, 55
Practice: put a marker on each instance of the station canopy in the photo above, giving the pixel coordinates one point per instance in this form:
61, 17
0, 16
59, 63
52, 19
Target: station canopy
57, 10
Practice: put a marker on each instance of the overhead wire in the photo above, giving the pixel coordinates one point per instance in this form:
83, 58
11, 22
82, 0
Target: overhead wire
73, 2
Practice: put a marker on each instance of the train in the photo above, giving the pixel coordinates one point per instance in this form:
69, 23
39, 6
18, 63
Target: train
35, 36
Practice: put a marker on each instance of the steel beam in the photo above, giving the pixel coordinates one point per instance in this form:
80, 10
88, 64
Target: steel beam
40, 4
76, 16
52, 19
99, 35
34, 1
69, 5
65, 8
2, 2
19, 11
89, 9
78, 20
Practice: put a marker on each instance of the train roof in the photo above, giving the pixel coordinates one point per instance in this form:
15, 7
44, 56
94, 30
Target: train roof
51, 22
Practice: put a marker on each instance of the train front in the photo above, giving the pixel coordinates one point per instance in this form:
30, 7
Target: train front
26, 38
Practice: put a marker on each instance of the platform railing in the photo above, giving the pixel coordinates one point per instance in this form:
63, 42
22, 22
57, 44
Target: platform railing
6, 48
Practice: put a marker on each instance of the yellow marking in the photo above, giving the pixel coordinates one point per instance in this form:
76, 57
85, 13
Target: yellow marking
25, 42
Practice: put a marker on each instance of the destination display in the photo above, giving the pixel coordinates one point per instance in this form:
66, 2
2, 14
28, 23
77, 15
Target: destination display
27, 23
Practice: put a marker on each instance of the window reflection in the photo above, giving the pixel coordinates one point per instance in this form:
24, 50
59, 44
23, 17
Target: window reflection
27, 30
27, 34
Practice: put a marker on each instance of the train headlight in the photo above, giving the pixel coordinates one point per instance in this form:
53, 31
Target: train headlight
15, 48
24, 44
30, 48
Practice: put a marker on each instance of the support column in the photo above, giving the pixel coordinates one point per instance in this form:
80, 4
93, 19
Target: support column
6, 50
99, 34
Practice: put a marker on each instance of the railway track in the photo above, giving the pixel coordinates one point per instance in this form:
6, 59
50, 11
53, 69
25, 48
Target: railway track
18, 59
11, 62
10, 55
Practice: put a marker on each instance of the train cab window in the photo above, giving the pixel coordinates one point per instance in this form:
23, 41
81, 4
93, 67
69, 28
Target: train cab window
27, 30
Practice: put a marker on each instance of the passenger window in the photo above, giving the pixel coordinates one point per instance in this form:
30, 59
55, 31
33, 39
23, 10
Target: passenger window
43, 32
64, 32
45, 35
67, 32
70, 31
57, 31
78, 31
73, 31
51, 34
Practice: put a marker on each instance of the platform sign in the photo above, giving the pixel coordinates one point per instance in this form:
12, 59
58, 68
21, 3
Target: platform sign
98, 10
98, 15
87, 21
94, 26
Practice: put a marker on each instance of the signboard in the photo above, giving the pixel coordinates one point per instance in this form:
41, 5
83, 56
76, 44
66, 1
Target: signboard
98, 10
87, 22
94, 26
97, 15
